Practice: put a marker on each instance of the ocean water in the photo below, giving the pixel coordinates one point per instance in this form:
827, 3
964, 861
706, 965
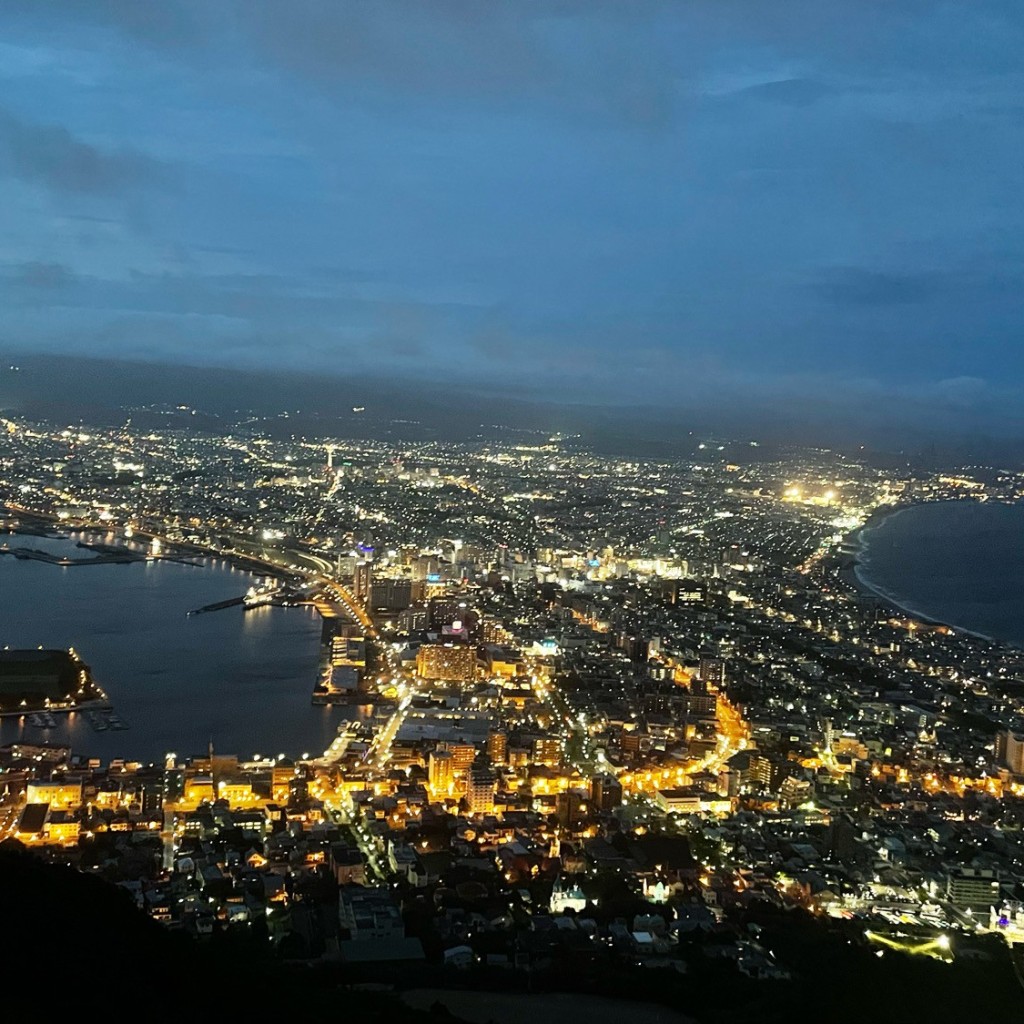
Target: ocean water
957, 562
242, 678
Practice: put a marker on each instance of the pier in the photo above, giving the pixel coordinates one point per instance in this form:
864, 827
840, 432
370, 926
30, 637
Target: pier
231, 602
123, 557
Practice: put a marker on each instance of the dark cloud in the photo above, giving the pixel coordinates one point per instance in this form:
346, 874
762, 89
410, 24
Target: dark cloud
607, 201
50, 155
858, 286
42, 275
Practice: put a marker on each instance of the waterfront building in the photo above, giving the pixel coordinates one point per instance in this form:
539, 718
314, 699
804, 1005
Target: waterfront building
64, 794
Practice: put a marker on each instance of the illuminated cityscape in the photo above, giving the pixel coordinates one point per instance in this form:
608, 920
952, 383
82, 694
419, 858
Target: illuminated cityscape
573, 674
512, 513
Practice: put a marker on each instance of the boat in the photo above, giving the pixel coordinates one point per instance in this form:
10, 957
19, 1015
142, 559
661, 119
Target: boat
257, 596
97, 721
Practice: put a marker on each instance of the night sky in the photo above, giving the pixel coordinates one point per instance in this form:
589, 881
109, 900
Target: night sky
786, 204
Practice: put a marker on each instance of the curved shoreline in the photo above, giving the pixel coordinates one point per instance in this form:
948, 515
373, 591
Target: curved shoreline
858, 580
158, 692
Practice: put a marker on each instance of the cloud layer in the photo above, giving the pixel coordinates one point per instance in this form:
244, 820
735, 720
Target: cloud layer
630, 203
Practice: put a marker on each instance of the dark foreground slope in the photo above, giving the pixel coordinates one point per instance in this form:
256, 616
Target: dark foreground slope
73, 943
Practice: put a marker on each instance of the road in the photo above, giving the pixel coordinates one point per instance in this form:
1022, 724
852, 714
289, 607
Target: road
9, 818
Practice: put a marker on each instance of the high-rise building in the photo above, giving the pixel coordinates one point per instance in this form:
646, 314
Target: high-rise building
363, 583
497, 747
453, 661
393, 595
480, 791
841, 839
1010, 750
463, 755
637, 648
446, 610
711, 671
697, 705
440, 772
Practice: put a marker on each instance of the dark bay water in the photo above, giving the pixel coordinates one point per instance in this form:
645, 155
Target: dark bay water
958, 562
242, 677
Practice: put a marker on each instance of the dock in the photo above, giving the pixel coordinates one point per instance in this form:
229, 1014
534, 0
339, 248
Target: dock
217, 606
123, 557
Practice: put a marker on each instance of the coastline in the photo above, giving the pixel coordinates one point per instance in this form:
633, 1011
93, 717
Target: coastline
256, 696
179, 551
853, 548
852, 575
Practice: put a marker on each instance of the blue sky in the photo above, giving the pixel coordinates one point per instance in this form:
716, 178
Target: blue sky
786, 204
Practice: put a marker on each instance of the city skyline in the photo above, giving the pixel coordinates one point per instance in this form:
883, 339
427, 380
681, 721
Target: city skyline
512, 511
509, 711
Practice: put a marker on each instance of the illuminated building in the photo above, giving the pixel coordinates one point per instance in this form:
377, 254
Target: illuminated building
363, 583
571, 807
62, 828
795, 791
683, 591
463, 755
629, 744
441, 772
1010, 750
502, 662
678, 801
454, 613
518, 757
547, 750
198, 789
281, 776
637, 648
493, 632
480, 791
237, 792
563, 898
456, 662
348, 650
972, 888
711, 672
497, 747
108, 796
63, 795
698, 705
32, 822
744, 771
